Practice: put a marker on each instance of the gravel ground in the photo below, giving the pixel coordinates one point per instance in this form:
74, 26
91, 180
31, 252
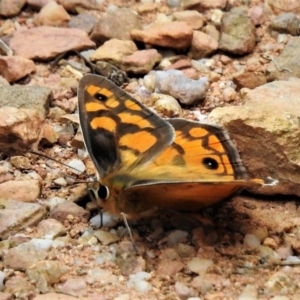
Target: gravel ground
245, 248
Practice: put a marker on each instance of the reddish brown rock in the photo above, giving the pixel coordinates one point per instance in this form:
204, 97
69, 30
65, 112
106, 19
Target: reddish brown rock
141, 62
38, 3
202, 45
204, 4
13, 68
169, 267
47, 42
176, 35
249, 80
62, 211
78, 5
10, 8
192, 17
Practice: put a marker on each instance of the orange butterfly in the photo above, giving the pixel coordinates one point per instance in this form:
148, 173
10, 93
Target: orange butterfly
145, 162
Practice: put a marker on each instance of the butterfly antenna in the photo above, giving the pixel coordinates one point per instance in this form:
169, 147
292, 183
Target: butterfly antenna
59, 162
129, 231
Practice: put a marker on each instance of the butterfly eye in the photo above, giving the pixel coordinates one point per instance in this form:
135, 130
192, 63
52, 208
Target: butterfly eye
210, 163
100, 97
103, 192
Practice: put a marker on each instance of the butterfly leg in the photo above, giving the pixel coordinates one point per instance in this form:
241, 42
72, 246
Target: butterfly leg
129, 231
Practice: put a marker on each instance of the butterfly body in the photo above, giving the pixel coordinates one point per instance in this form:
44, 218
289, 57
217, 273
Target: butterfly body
145, 162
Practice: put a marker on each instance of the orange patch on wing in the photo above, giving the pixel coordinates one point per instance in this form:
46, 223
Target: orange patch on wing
132, 105
105, 92
179, 139
166, 157
140, 141
215, 143
104, 123
112, 102
135, 119
92, 89
94, 106
198, 132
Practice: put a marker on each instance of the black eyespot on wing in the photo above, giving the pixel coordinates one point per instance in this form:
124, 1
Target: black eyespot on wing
210, 163
103, 192
100, 97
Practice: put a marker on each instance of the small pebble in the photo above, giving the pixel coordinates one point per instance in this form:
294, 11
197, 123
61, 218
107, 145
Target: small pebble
54, 201
174, 3
42, 244
60, 181
249, 293
108, 220
183, 290
1, 281
139, 282
229, 94
76, 164
199, 265
177, 236
251, 241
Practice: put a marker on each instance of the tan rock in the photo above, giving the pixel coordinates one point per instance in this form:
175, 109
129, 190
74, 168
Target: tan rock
45, 273
176, 35
48, 135
56, 296
169, 267
237, 32
22, 190
192, 17
46, 42
19, 129
20, 162
266, 131
52, 14
113, 51
202, 45
17, 215
13, 68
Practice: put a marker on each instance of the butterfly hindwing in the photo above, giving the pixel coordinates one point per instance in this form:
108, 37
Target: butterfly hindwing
203, 149
118, 131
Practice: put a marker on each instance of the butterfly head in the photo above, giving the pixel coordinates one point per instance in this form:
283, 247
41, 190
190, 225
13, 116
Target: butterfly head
108, 195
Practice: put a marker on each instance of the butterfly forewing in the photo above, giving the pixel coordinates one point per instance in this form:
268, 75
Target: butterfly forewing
119, 132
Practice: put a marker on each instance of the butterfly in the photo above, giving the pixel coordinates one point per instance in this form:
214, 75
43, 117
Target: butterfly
145, 162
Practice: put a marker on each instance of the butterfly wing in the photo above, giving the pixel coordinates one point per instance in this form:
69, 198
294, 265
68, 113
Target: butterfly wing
201, 167
180, 195
119, 132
